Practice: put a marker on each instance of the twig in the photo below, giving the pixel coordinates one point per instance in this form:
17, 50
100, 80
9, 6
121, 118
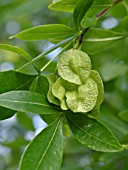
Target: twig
98, 16
81, 36
117, 1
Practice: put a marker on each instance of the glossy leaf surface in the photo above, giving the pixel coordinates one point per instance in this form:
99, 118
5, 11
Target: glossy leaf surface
46, 32
92, 133
26, 101
25, 120
80, 10
16, 50
42, 85
69, 6
87, 22
97, 40
64, 5
49, 145
12, 80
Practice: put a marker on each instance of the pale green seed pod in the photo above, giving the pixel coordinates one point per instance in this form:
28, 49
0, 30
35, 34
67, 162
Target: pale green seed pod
51, 98
78, 88
58, 90
84, 98
96, 77
74, 66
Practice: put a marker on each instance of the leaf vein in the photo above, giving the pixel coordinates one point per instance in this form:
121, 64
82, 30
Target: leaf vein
92, 135
48, 145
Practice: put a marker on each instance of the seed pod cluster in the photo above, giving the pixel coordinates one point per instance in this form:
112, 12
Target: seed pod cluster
77, 88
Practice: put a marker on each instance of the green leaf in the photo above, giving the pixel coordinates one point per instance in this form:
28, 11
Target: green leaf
97, 40
124, 115
74, 66
111, 71
12, 80
19, 141
42, 85
25, 120
93, 133
69, 5
63, 5
49, 118
80, 10
87, 22
26, 101
66, 129
64, 42
125, 22
96, 77
109, 158
84, 99
97, 7
116, 125
46, 32
6, 113
45, 151
16, 50
20, 10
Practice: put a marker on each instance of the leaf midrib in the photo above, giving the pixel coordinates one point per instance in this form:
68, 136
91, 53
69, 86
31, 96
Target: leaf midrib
93, 136
103, 39
31, 33
25, 83
24, 102
80, 13
41, 159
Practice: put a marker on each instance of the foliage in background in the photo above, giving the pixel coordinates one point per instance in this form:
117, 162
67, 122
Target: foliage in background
104, 39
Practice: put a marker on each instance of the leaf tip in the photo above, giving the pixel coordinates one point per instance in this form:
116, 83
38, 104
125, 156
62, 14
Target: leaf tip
11, 37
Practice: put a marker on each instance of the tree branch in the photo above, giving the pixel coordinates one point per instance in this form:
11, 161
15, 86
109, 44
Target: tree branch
98, 16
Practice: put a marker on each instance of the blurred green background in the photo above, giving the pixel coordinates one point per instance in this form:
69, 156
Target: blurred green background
112, 63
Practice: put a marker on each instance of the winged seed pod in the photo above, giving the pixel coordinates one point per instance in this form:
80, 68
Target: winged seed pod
74, 66
77, 88
51, 98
